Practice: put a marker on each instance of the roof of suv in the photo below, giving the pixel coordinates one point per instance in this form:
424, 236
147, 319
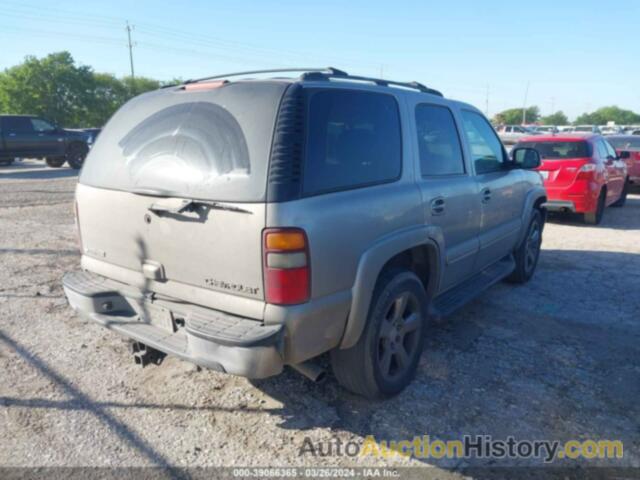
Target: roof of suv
317, 74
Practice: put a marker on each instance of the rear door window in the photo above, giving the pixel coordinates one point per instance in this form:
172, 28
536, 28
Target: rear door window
438, 141
18, 124
353, 140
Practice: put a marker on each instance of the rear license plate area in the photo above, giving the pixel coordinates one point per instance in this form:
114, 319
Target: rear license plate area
159, 317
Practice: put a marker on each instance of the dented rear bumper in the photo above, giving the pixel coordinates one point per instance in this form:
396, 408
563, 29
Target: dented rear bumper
206, 337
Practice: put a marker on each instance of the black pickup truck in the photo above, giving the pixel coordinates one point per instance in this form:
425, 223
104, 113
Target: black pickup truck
28, 136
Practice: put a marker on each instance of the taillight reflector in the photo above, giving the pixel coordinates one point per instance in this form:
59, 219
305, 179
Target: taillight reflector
204, 85
78, 233
287, 273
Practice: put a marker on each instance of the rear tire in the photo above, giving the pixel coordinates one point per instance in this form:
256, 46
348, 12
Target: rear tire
384, 360
76, 155
623, 197
55, 162
528, 252
594, 218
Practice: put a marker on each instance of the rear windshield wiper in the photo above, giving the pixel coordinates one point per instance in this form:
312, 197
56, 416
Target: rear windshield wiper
191, 205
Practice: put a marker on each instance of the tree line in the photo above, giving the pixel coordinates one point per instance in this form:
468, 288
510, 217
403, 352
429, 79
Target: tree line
602, 116
71, 95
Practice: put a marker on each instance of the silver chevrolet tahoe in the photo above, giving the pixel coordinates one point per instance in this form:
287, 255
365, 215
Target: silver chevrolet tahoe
248, 224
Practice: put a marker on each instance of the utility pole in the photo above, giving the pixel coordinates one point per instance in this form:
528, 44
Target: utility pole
524, 106
486, 102
130, 44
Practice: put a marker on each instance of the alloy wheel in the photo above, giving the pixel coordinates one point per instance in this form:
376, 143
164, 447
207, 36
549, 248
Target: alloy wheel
398, 338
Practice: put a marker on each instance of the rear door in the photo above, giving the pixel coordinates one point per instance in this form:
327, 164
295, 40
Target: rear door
162, 150
19, 136
449, 191
616, 169
501, 190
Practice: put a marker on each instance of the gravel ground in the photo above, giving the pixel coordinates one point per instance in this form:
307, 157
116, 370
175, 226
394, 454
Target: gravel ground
555, 359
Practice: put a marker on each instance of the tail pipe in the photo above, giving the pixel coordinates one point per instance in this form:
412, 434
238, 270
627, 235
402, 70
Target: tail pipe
311, 370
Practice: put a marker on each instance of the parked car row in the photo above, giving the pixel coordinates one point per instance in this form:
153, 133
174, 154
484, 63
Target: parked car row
26, 136
584, 173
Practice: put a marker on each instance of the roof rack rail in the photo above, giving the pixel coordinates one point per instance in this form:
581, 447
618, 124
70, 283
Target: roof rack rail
326, 75
327, 70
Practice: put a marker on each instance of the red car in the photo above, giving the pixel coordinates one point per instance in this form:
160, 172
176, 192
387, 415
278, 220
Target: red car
628, 148
581, 173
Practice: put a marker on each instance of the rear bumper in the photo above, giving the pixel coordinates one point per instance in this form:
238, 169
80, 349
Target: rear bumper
577, 200
559, 206
202, 336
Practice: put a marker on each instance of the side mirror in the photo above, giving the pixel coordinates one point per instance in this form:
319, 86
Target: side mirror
526, 158
624, 155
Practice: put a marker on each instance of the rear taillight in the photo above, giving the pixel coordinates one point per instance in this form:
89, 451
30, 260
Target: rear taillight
78, 233
586, 171
287, 273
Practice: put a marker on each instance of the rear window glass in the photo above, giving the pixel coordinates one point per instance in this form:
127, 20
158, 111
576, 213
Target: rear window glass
210, 144
625, 143
353, 140
559, 150
438, 141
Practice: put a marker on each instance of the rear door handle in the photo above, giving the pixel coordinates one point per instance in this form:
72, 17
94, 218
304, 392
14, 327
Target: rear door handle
437, 206
486, 195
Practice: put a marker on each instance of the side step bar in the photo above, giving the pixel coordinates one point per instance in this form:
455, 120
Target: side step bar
451, 300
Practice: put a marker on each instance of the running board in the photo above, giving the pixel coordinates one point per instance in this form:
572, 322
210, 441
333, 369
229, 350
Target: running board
451, 300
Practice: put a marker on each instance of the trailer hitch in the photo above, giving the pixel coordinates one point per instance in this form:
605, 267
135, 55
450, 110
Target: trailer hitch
144, 355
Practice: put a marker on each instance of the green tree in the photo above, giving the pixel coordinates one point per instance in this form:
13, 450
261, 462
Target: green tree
71, 95
52, 87
608, 114
558, 118
513, 116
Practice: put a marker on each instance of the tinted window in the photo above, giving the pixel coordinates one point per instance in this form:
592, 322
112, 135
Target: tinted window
625, 143
559, 150
353, 139
212, 144
438, 142
40, 125
18, 124
486, 149
610, 150
602, 150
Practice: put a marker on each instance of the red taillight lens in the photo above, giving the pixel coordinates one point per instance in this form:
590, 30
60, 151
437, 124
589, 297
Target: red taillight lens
287, 273
586, 171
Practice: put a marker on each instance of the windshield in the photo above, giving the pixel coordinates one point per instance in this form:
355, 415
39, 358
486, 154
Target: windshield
210, 144
559, 150
625, 143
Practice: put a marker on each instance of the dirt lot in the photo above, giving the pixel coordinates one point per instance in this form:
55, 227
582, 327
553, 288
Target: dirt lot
556, 359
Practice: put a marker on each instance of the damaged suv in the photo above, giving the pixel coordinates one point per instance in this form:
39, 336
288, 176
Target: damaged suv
245, 225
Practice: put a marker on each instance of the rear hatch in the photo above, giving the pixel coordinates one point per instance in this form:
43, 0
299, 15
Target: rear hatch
172, 196
561, 160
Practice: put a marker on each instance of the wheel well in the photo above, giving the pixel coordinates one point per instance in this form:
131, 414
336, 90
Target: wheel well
538, 205
418, 259
77, 144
